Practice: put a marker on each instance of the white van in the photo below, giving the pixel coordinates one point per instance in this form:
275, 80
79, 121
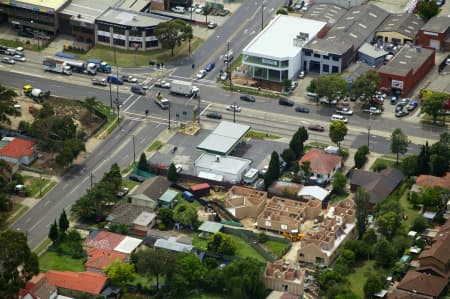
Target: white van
312, 96
337, 117
251, 176
178, 9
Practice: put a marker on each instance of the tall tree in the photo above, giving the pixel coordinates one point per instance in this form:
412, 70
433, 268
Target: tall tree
273, 172
165, 215
186, 214
243, 279
15, 254
172, 174
384, 254
158, 263
428, 9
63, 222
368, 83
339, 182
7, 104
399, 143
423, 160
221, 243
207, 9
142, 164
297, 142
372, 286
53, 233
338, 131
439, 158
170, 34
435, 102
120, 273
361, 200
328, 86
306, 169
388, 223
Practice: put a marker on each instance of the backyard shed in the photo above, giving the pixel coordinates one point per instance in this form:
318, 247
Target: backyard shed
168, 198
209, 227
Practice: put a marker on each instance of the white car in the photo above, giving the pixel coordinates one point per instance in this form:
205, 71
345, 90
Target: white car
19, 58
162, 84
179, 168
344, 111
234, 107
201, 74
224, 76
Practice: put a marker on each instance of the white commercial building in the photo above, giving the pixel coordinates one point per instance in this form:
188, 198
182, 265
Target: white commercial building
232, 169
275, 54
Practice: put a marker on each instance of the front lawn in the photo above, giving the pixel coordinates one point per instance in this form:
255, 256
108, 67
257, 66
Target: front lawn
52, 261
358, 278
34, 185
408, 209
275, 247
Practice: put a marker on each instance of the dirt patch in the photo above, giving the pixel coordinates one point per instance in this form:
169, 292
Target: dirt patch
26, 105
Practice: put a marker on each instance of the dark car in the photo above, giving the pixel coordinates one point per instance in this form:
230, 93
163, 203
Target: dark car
317, 128
247, 98
213, 114
401, 113
412, 105
210, 66
224, 12
25, 34
285, 102
136, 178
399, 107
302, 109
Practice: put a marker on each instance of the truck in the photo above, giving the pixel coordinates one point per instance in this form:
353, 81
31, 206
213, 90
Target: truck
102, 66
184, 88
56, 65
80, 66
35, 93
114, 80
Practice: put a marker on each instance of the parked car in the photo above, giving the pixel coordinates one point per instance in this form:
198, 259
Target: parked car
122, 192
178, 168
401, 113
212, 25
224, 76
344, 111
201, 74
25, 34
317, 128
294, 85
394, 100
404, 102
412, 105
136, 178
247, 98
234, 107
302, 109
162, 84
224, 12
214, 115
210, 66
19, 57
8, 60
399, 107
286, 102
262, 172
301, 75
440, 2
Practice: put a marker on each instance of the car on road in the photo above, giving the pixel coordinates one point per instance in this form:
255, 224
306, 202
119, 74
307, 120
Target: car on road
317, 128
20, 58
101, 82
201, 74
247, 98
412, 106
212, 25
401, 113
302, 109
162, 84
8, 60
224, 76
344, 111
373, 110
234, 107
214, 115
129, 78
338, 117
210, 66
138, 89
286, 102
136, 178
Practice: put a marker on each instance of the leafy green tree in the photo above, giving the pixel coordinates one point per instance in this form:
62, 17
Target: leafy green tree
423, 160
360, 156
142, 164
409, 165
433, 197
172, 173
370, 237
400, 243
358, 247
165, 215
338, 131
297, 142
207, 10
361, 200
328, 277
428, 9
90, 103
328, 86
440, 158
7, 104
221, 243
243, 279
282, 11
186, 214
192, 269
157, 263
53, 233
15, 254
388, 223
384, 254
120, 273
262, 237
305, 167
114, 177
385, 206
170, 34
71, 244
372, 285
367, 84
399, 143
46, 111
288, 155
339, 182
433, 103
273, 172
63, 223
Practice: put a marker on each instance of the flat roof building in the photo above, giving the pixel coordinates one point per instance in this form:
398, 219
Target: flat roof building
275, 57
232, 169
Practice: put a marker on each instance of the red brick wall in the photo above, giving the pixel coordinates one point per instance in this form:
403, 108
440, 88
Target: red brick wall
424, 39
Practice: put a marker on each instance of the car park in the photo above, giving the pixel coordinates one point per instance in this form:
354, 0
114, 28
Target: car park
286, 102
201, 74
20, 58
210, 66
234, 107
212, 25
8, 60
136, 178
317, 128
214, 115
162, 84
344, 111
247, 98
401, 113
338, 117
302, 109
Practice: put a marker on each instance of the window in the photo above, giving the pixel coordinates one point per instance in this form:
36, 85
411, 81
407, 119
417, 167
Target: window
119, 42
335, 57
326, 57
319, 260
325, 68
102, 27
316, 55
307, 52
103, 39
284, 227
268, 223
119, 30
301, 255
151, 44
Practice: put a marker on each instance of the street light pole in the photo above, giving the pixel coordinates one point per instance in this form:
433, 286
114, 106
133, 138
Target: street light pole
234, 112
110, 94
262, 15
91, 178
40, 184
368, 131
229, 66
170, 106
134, 149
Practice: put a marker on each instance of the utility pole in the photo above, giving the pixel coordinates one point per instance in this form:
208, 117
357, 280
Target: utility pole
189, 38
40, 184
110, 95
198, 111
170, 107
234, 113
117, 89
229, 66
91, 179
368, 131
134, 149
262, 15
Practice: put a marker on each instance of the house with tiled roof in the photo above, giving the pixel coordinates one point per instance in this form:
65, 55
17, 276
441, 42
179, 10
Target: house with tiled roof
82, 282
379, 185
415, 282
103, 240
322, 164
436, 258
38, 287
17, 150
99, 260
426, 180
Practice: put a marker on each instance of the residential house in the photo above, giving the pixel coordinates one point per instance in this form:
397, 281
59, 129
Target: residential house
244, 202
423, 284
399, 29
148, 192
287, 215
323, 165
379, 185
435, 34
38, 287
425, 180
320, 245
436, 258
76, 283
313, 192
169, 198
108, 241
99, 260
281, 276
126, 213
18, 150
143, 223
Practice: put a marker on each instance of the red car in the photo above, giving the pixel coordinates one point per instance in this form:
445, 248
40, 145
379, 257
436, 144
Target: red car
317, 128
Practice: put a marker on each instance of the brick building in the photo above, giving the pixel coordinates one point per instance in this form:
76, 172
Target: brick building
435, 34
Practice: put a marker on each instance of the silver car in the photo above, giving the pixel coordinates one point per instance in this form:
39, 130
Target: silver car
8, 60
18, 57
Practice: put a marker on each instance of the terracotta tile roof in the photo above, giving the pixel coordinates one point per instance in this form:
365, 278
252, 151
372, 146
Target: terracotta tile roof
422, 283
101, 259
18, 148
38, 287
321, 162
430, 180
103, 240
439, 249
88, 282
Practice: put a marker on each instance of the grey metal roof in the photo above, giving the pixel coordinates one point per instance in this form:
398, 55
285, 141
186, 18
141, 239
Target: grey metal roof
224, 138
372, 50
135, 5
325, 12
88, 10
210, 227
437, 24
172, 244
404, 23
144, 219
130, 18
406, 59
223, 164
352, 30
